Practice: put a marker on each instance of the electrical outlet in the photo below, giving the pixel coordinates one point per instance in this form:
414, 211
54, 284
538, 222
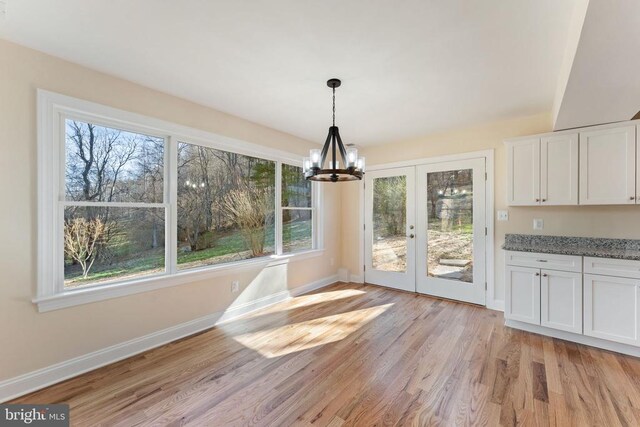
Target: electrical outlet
503, 215
235, 286
538, 224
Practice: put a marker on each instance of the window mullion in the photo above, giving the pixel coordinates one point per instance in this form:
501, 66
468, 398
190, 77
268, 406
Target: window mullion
171, 176
278, 211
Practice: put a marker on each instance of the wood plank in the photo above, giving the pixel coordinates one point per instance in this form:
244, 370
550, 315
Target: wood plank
359, 355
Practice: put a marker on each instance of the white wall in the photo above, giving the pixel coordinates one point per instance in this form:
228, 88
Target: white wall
32, 340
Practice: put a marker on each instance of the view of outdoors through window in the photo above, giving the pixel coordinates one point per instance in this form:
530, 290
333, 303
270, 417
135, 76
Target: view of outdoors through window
112, 167
297, 215
115, 212
450, 225
389, 223
226, 206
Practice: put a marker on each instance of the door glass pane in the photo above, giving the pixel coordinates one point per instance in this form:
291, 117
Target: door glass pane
389, 223
450, 225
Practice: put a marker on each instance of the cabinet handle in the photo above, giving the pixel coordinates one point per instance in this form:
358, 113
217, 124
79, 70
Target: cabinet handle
545, 275
537, 200
632, 198
541, 260
544, 200
537, 274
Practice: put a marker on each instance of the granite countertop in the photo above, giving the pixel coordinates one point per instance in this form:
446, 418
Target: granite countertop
580, 246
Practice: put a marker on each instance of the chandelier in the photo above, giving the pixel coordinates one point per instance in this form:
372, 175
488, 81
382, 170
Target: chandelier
343, 164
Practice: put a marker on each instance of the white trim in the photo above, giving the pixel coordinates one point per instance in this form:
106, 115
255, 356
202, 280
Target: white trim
489, 156
91, 294
35, 380
578, 338
52, 110
430, 160
51, 102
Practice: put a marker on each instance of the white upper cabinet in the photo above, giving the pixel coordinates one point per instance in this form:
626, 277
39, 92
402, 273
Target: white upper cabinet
523, 187
608, 166
543, 171
559, 169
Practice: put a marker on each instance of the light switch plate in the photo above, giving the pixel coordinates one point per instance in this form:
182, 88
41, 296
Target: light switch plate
538, 224
503, 215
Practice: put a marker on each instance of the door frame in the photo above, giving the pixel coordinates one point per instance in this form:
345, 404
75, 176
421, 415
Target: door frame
491, 301
476, 291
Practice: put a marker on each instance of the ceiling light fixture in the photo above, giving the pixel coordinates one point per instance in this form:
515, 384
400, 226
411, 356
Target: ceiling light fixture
352, 165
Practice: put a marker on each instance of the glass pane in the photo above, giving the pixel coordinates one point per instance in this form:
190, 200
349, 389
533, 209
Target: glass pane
108, 244
225, 206
389, 223
111, 165
450, 225
297, 230
296, 191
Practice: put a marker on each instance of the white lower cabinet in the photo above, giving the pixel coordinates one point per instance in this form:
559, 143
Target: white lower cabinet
561, 300
522, 296
611, 308
596, 300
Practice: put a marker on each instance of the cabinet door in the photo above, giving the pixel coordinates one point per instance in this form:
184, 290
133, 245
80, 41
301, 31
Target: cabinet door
522, 294
561, 300
523, 184
611, 308
559, 170
608, 166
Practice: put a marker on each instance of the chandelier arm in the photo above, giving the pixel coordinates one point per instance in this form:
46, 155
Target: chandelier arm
333, 165
325, 149
343, 151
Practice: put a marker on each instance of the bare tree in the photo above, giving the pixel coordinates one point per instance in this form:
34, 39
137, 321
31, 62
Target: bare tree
81, 241
251, 209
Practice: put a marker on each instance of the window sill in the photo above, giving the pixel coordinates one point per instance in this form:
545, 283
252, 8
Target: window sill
115, 290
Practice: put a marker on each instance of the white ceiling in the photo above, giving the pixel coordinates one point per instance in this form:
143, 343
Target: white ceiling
409, 68
604, 83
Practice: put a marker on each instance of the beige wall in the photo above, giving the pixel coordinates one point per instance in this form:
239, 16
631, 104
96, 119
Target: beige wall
32, 340
590, 221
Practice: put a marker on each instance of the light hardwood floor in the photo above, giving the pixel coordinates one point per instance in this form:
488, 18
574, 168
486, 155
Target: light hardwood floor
360, 355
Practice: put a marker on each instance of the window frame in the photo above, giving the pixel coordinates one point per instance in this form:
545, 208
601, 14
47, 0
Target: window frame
314, 204
53, 110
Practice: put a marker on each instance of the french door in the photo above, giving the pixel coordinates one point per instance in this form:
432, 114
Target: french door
425, 229
390, 228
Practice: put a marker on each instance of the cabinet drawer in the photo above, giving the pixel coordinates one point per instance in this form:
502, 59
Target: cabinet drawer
545, 261
612, 267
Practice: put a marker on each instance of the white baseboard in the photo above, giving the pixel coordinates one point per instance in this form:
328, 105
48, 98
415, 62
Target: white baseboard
355, 278
35, 380
495, 304
570, 336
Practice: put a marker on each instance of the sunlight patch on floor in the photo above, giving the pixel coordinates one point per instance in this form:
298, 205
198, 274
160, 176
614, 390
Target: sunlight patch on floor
310, 299
312, 333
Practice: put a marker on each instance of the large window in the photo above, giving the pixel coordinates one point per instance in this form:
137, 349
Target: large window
125, 199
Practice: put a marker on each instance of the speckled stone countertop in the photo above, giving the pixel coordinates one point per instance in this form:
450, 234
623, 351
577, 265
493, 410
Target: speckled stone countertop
581, 246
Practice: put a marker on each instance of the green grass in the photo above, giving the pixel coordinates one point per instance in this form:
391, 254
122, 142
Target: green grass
133, 261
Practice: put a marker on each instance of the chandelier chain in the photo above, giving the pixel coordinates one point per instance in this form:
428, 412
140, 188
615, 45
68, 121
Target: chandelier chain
334, 105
